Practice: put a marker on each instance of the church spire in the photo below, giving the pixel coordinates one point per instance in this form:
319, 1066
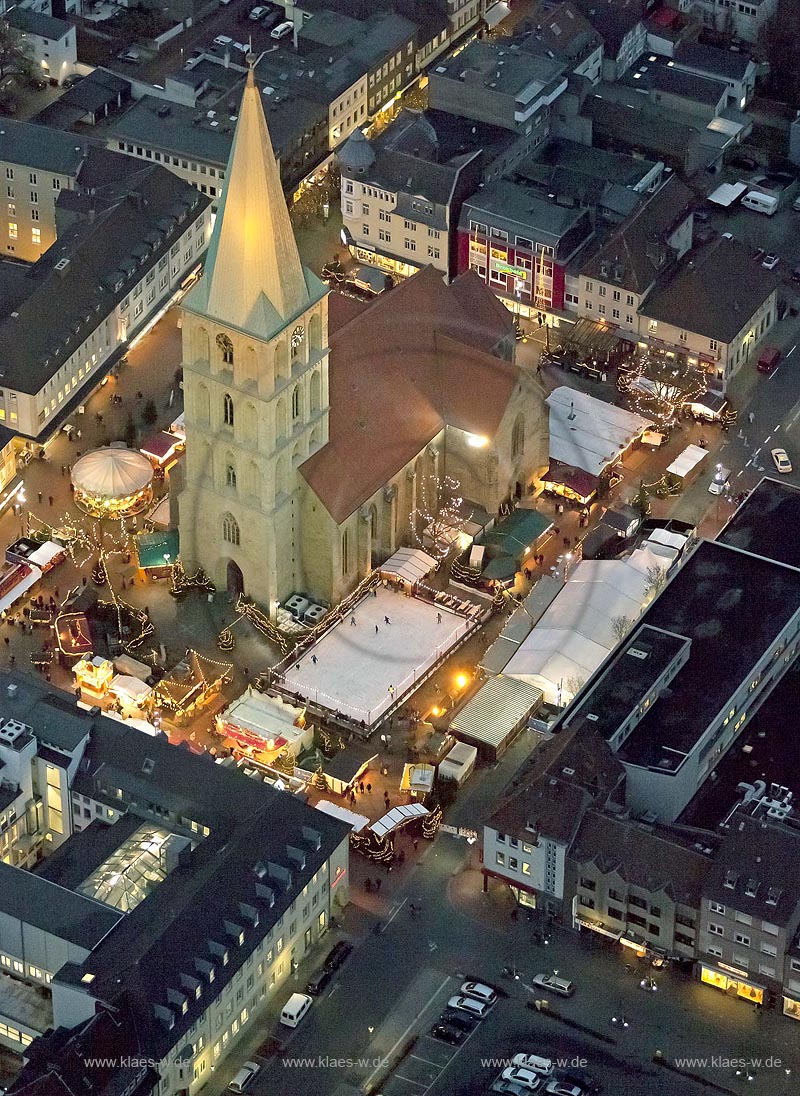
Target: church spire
253, 276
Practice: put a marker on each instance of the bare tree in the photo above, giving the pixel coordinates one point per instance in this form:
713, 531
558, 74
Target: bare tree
15, 58
438, 517
656, 579
658, 386
620, 626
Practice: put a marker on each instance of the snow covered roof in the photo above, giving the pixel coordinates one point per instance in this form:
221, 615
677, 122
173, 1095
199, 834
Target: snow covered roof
587, 433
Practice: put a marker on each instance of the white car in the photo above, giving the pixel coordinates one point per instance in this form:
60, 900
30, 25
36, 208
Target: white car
222, 40
780, 459
769, 262
526, 1078
543, 1067
480, 991
470, 1005
562, 1088
555, 984
256, 14
282, 30
242, 47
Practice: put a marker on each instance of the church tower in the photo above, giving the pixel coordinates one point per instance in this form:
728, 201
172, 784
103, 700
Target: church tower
255, 379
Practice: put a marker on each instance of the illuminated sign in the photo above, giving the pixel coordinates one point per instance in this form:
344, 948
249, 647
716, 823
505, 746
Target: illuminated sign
340, 874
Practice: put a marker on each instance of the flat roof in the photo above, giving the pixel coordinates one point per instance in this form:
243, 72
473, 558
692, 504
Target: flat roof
47, 906
761, 523
626, 679
496, 710
711, 601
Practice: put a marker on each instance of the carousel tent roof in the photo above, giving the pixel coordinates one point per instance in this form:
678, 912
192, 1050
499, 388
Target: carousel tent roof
112, 473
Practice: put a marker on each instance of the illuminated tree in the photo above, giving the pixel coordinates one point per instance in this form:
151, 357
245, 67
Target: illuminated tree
659, 387
437, 517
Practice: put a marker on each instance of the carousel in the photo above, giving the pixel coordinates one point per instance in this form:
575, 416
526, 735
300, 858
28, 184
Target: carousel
113, 483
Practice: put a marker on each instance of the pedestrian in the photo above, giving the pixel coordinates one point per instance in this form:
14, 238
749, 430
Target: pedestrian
7, 640
368, 885
412, 909
414, 842
386, 620
84, 580
376, 629
378, 884
80, 434
123, 582
138, 395
12, 660
751, 417
438, 618
401, 857
40, 496
63, 469
353, 621
50, 499
361, 786
374, 591
246, 672
369, 788
314, 659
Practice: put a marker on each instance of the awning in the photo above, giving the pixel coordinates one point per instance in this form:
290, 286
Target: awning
712, 401
517, 533
161, 446
590, 335
497, 710
496, 14
410, 564
158, 549
582, 483
397, 816
500, 568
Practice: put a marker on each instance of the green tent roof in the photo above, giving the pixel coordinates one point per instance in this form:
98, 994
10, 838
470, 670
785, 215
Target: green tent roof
152, 547
501, 567
517, 532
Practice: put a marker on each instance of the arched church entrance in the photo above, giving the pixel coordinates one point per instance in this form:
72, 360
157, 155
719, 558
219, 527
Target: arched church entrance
235, 579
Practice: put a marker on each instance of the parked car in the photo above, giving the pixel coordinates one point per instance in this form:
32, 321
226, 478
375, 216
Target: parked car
244, 1077
130, 57
470, 1005
770, 262
562, 1088
508, 1088
542, 1066
780, 459
526, 1078
447, 1034
480, 991
337, 955
580, 1077
223, 40
721, 477
282, 30
319, 980
554, 984
461, 1020
271, 19
257, 14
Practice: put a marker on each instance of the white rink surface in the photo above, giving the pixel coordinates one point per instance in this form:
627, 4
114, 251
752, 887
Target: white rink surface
356, 666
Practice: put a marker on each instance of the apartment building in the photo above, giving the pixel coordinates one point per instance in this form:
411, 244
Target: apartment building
735, 67
615, 280
744, 19
751, 910
559, 31
50, 42
204, 887
63, 320
621, 24
520, 245
36, 164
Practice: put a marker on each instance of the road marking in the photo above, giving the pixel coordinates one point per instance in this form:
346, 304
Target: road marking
768, 439
777, 428
789, 354
411, 1081
796, 410
397, 911
367, 1084
756, 453
333, 990
739, 473
427, 1061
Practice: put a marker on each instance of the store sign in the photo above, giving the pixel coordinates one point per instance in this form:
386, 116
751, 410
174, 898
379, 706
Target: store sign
459, 831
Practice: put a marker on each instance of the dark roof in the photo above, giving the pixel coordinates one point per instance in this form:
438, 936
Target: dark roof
626, 679
41, 147
645, 126
710, 601
638, 248
81, 921
518, 208
36, 340
642, 856
716, 295
721, 62
674, 81
53, 716
37, 23
417, 358
757, 850
612, 18
583, 167
559, 30
346, 763
760, 524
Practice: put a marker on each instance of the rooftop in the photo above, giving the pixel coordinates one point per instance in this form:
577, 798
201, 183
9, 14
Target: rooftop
53, 717
709, 601
638, 249
614, 19
516, 205
53, 909
760, 524
730, 64
559, 30
626, 679
40, 147
647, 74
504, 70
569, 165
715, 295
416, 358
37, 23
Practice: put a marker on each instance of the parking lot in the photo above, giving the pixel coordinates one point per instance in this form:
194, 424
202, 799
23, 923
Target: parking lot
778, 235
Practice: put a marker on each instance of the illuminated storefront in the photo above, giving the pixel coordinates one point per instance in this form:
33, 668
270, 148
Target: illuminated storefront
791, 1007
732, 981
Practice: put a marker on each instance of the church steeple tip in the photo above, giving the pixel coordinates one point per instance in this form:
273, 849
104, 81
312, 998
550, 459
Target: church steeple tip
253, 276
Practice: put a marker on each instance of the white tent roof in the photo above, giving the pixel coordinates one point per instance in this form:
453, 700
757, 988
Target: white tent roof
266, 715
130, 687
588, 433
411, 564
397, 816
496, 710
691, 456
356, 821
46, 553
577, 631
160, 516
112, 473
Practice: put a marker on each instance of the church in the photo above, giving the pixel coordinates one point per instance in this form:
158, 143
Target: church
314, 421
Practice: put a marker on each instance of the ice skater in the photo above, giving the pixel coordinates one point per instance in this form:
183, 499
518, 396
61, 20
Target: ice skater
353, 621
376, 629
438, 618
314, 659
386, 620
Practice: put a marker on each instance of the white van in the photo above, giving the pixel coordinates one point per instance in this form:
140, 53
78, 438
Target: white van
282, 30
295, 1009
244, 1077
761, 203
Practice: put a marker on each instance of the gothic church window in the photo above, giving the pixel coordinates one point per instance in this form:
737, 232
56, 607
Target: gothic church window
518, 438
227, 410
296, 403
230, 529
230, 476
225, 348
346, 552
